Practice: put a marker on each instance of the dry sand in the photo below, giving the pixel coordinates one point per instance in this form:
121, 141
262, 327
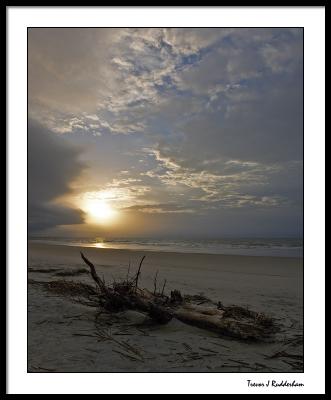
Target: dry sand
63, 335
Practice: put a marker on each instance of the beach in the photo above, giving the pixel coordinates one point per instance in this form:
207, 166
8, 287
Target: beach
64, 336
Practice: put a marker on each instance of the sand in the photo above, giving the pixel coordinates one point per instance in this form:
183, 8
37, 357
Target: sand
64, 336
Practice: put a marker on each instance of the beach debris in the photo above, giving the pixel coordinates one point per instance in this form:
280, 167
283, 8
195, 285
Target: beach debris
43, 270
37, 368
233, 321
176, 297
197, 310
60, 272
287, 355
71, 288
73, 272
155, 282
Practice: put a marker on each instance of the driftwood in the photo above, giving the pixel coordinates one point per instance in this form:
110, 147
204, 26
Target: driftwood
127, 295
234, 321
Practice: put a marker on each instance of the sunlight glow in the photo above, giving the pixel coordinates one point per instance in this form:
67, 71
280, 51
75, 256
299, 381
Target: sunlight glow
99, 211
99, 245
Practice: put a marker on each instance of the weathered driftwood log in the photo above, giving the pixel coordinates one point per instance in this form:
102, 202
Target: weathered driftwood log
215, 322
127, 295
234, 321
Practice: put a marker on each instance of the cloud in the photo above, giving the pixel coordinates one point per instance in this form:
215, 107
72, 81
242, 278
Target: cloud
224, 183
45, 216
188, 42
76, 71
52, 165
66, 66
167, 208
208, 119
123, 76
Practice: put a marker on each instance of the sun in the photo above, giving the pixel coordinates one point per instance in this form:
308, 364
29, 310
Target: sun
99, 211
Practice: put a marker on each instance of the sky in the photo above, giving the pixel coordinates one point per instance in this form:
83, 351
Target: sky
177, 132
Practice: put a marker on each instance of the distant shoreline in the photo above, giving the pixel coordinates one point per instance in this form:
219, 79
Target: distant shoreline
35, 244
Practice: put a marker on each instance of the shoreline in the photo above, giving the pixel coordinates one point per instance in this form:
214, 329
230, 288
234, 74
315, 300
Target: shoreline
234, 279
32, 243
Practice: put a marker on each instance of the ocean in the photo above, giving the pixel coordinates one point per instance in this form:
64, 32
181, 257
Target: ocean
276, 247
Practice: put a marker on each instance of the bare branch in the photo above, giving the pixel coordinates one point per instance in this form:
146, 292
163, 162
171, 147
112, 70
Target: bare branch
164, 284
139, 269
155, 281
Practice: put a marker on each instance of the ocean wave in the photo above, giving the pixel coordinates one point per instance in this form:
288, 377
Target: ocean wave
279, 247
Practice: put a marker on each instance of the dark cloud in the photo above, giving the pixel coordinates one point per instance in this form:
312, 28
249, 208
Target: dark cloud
52, 165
